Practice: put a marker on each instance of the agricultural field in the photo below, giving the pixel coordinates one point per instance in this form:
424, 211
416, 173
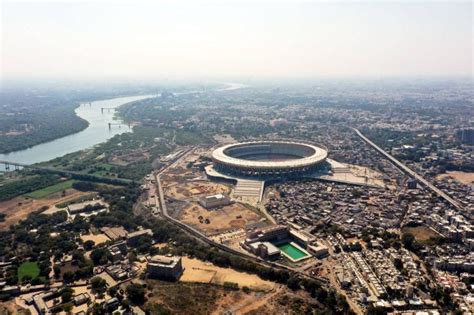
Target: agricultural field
28, 268
59, 187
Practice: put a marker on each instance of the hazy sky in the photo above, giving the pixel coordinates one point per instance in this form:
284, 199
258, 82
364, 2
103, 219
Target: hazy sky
167, 40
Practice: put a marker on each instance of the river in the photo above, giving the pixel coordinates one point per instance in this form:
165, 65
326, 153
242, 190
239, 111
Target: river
97, 132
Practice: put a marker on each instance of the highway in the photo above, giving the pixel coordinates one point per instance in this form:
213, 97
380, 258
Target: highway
409, 172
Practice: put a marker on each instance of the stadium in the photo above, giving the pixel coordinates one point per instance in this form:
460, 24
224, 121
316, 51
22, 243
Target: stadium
269, 159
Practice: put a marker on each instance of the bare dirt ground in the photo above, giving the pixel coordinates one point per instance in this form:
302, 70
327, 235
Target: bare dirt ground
195, 190
244, 303
421, 233
11, 308
462, 177
97, 239
224, 138
18, 208
231, 217
198, 298
205, 272
373, 177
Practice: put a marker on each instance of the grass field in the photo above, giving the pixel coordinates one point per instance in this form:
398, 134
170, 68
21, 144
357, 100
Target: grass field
41, 193
28, 269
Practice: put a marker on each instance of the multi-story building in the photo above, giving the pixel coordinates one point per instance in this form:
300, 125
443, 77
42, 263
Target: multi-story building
164, 267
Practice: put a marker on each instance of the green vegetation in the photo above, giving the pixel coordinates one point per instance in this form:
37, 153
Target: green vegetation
127, 156
98, 285
53, 122
136, 293
26, 185
41, 193
28, 269
37, 114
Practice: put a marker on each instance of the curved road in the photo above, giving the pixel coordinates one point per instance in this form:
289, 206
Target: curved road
411, 173
160, 201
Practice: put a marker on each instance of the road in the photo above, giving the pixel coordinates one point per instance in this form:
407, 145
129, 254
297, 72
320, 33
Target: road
161, 204
411, 173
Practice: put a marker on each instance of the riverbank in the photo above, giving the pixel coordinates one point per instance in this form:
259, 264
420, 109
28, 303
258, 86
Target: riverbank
42, 128
98, 115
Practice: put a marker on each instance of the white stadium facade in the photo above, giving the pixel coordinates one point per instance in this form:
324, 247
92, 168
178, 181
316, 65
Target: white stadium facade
269, 159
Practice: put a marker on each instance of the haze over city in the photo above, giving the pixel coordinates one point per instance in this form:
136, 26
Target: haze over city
145, 40
236, 157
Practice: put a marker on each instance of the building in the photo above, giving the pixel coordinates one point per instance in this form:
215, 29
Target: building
132, 238
91, 205
412, 184
268, 159
214, 201
115, 233
265, 250
164, 267
318, 251
466, 135
81, 299
277, 232
302, 237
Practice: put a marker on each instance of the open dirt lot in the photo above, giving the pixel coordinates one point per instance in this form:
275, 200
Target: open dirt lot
18, 208
194, 190
462, 177
421, 233
205, 272
196, 298
11, 308
97, 239
231, 217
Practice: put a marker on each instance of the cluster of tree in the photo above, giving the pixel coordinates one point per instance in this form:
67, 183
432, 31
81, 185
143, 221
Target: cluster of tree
32, 126
29, 116
31, 239
410, 243
84, 186
25, 185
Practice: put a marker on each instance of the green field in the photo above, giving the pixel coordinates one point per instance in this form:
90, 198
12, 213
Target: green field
292, 251
28, 269
41, 193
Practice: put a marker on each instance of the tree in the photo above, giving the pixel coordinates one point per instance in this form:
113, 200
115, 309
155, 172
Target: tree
88, 245
408, 239
293, 283
98, 285
371, 310
57, 271
99, 256
136, 293
68, 276
398, 264
66, 294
